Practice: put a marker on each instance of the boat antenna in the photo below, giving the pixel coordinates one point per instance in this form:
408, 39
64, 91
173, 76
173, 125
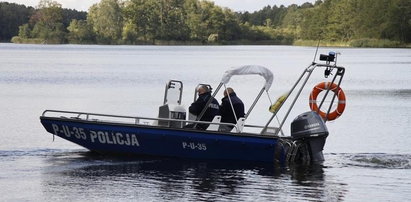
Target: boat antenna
316, 50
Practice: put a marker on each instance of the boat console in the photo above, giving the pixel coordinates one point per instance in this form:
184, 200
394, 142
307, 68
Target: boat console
172, 109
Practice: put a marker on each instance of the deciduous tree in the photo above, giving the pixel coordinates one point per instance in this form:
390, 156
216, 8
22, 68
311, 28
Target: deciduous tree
107, 21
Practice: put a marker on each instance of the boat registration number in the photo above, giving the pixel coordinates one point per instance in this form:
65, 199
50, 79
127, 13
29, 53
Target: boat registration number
102, 137
194, 146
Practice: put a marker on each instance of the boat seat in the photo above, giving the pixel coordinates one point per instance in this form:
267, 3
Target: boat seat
214, 124
240, 125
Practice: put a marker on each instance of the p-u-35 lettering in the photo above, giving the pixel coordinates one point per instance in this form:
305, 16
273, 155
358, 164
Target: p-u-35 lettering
194, 146
103, 137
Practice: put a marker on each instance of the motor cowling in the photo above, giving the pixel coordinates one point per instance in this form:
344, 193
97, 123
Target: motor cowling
310, 129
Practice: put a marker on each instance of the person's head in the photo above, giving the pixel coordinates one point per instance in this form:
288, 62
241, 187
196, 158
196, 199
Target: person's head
229, 90
202, 89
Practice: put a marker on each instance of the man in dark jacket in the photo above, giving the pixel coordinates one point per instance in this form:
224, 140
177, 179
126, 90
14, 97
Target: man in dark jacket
204, 94
226, 111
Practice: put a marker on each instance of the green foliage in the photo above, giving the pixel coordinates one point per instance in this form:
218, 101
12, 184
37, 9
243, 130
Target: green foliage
80, 32
398, 25
341, 21
348, 20
178, 20
207, 21
362, 23
11, 17
173, 21
18, 39
25, 31
107, 21
301, 42
196, 20
376, 43
268, 16
46, 22
43, 25
293, 17
130, 34
71, 14
145, 18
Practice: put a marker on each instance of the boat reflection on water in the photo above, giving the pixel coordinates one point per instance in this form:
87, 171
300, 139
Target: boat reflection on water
90, 176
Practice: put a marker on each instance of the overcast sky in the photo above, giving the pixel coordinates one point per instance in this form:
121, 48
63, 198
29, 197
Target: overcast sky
236, 5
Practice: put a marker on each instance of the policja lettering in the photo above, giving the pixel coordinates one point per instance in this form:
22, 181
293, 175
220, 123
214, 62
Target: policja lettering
114, 138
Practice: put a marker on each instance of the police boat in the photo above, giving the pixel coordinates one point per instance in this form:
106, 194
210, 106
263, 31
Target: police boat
168, 136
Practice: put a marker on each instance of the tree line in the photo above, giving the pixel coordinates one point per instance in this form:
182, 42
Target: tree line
353, 22
13, 16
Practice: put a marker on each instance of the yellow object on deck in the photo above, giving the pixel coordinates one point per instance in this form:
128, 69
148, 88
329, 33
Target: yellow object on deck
276, 106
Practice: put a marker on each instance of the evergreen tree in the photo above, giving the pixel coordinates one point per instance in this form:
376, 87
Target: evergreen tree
11, 17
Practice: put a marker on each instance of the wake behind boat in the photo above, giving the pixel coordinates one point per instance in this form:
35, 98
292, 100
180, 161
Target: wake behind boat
168, 135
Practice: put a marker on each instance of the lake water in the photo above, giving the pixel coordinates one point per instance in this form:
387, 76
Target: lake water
367, 154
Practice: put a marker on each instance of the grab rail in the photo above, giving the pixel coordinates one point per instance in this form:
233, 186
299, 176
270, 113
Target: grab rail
136, 120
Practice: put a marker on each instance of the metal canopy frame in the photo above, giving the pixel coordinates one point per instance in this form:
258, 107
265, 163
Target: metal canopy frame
259, 70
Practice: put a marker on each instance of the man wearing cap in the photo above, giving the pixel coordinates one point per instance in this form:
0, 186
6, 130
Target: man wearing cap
204, 94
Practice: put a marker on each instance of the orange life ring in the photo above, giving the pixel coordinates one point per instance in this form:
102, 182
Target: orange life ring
340, 95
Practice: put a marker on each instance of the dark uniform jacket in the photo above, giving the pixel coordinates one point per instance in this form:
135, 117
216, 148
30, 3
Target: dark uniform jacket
227, 115
197, 107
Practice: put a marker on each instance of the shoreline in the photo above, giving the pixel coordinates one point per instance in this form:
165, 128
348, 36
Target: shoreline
360, 43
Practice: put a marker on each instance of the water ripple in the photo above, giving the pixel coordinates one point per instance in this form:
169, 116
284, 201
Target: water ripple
377, 160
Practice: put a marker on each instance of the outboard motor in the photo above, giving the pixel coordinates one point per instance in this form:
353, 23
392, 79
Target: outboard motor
310, 129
